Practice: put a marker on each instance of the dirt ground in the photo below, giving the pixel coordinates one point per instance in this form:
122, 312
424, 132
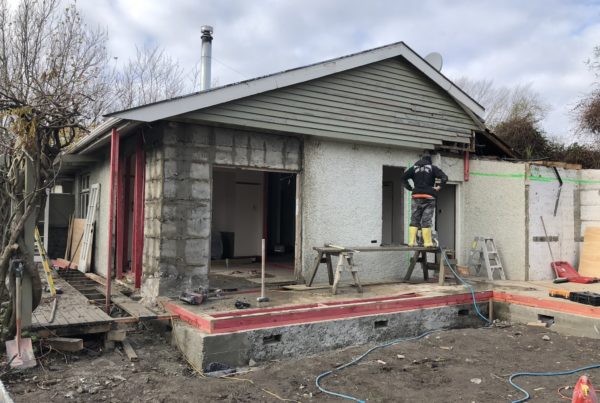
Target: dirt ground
465, 365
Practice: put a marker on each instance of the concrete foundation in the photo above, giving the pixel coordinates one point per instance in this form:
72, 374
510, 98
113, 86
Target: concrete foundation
238, 348
560, 322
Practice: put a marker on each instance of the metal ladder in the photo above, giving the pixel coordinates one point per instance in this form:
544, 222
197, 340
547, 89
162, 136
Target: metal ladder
484, 252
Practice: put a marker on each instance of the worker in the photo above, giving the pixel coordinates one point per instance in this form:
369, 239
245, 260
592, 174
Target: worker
424, 191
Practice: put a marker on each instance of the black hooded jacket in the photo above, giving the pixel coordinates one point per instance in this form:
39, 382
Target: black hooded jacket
424, 174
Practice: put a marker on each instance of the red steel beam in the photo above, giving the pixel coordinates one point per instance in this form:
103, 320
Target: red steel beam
138, 211
114, 176
467, 166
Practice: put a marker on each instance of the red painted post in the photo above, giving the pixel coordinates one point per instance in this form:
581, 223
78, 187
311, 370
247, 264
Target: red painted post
114, 176
467, 166
127, 204
138, 211
121, 218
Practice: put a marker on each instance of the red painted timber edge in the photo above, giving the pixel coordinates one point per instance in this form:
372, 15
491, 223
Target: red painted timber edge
264, 319
193, 319
550, 304
319, 305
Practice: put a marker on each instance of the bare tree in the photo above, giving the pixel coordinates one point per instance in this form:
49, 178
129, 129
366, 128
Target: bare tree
505, 103
53, 84
149, 77
588, 109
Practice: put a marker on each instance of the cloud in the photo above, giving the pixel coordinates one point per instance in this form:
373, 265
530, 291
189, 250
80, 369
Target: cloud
510, 42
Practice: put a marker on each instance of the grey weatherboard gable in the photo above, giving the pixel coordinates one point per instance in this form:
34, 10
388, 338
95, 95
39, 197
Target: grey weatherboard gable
387, 95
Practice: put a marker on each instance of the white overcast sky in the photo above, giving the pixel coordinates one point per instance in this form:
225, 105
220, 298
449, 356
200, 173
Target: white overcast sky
542, 42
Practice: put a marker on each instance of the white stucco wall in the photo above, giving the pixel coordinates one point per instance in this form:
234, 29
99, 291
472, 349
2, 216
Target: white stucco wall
543, 191
342, 203
590, 198
494, 206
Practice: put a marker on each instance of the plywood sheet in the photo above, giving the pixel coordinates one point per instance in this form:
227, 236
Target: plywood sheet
589, 262
78, 227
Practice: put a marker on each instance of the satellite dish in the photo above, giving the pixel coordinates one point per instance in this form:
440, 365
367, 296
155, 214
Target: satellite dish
435, 59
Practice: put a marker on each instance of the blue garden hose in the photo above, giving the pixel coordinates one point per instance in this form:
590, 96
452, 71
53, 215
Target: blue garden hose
469, 286
393, 342
358, 359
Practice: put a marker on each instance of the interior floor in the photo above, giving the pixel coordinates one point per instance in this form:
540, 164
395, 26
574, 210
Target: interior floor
244, 274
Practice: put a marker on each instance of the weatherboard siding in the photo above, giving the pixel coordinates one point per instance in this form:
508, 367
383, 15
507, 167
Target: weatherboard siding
388, 103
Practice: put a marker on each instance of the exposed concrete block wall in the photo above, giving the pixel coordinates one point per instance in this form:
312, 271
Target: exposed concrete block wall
188, 153
589, 199
494, 205
342, 203
543, 193
153, 197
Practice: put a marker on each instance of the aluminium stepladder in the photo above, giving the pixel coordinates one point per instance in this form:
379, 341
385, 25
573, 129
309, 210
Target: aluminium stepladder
484, 253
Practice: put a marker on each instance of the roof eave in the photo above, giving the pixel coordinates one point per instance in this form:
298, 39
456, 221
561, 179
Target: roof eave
178, 106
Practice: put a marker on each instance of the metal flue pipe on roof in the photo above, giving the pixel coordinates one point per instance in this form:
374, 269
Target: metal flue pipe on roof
205, 60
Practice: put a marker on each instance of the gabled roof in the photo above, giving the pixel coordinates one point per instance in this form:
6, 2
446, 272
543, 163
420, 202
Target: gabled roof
200, 100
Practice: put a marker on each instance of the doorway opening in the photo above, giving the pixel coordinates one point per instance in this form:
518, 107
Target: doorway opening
445, 218
248, 206
392, 206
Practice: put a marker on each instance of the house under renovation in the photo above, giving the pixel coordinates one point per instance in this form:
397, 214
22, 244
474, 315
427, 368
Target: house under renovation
177, 197
306, 157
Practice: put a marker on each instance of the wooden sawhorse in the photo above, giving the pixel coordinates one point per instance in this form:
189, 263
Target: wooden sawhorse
420, 256
345, 263
324, 254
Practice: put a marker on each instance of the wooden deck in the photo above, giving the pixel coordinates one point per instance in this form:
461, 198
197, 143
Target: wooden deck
75, 314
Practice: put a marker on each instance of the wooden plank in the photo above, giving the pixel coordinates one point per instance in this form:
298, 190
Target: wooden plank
129, 351
67, 344
589, 261
76, 238
394, 248
316, 264
73, 310
132, 307
116, 335
69, 237
85, 255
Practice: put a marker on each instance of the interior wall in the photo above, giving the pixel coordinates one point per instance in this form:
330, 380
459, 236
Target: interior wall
494, 205
237, 208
